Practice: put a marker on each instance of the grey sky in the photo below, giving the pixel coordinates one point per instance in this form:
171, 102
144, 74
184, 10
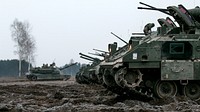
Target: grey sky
63, 28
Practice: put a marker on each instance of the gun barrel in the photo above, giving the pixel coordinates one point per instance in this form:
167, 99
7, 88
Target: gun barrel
89, 56
68, 66
86, 55
160, 9
119, 38
100, 50
147, 5
86, 58
96, 54
153, 8
137, 33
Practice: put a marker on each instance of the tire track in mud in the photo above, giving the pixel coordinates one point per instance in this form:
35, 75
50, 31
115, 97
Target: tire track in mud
64, 96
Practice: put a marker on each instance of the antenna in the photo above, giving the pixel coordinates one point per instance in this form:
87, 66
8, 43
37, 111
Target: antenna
119, 38
54, 60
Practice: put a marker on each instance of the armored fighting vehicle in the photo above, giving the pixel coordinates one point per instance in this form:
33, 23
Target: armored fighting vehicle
48, 73
90, 73
93, 73
162, 63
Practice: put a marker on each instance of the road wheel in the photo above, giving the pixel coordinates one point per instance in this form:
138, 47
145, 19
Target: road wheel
129, 79
28, 77
192, 91
34, 78
165, 89
108, 79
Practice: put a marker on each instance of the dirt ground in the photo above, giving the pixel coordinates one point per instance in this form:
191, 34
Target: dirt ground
21, 95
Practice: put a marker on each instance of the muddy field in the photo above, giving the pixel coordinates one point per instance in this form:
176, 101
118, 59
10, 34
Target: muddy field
19, 95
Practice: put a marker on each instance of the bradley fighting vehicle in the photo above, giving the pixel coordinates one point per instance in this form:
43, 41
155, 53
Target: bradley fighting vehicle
48, 73
163, 63
91, 72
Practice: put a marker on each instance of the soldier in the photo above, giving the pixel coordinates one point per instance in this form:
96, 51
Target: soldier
147, 28
52, 65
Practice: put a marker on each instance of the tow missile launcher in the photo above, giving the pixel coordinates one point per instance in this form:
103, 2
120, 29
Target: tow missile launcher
161, 63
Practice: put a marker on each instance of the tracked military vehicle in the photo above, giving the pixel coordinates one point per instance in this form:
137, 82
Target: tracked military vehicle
48, 73
162, 63
91, 73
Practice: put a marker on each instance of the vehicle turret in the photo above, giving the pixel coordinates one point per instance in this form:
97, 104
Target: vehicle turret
188, 20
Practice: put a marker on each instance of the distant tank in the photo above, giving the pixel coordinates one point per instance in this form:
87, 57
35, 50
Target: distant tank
50, 72
162, 63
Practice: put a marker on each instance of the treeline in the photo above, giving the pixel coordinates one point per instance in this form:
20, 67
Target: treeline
10, 68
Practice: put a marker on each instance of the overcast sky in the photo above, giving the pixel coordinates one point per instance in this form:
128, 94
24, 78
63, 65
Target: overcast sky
63, 28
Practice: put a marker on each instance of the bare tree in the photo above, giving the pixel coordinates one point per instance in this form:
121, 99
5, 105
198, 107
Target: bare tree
25, 43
